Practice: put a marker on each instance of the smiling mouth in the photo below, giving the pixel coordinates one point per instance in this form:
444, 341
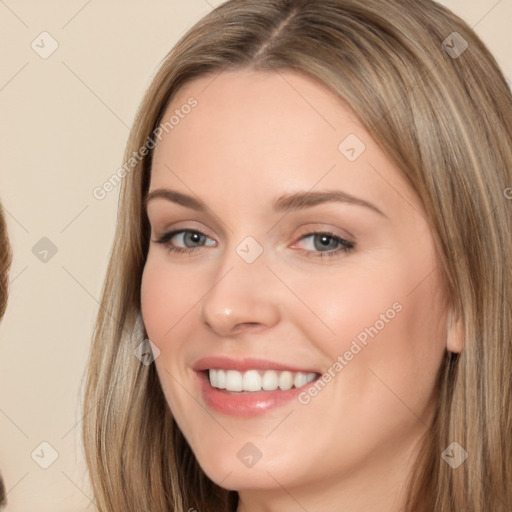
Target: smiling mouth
258, 380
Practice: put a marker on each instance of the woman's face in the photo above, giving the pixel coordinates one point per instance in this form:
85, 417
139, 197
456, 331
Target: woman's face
305, 255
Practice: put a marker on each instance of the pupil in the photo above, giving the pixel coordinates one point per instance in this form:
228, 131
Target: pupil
324, 241
196, 237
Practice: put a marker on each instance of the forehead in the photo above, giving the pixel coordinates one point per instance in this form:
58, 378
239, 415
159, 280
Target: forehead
284, 88
281, 130
280, 112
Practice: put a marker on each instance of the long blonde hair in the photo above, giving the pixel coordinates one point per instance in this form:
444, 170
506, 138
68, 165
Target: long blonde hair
434, 99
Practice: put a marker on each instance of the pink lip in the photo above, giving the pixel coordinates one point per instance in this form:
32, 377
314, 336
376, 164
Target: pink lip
241, 365
244, 404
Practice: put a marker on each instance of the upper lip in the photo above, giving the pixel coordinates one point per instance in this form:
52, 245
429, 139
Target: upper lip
228, 363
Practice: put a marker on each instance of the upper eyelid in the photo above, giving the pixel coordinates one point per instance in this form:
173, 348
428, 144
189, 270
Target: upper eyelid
171, 233
190, 227
207, 216
178, 230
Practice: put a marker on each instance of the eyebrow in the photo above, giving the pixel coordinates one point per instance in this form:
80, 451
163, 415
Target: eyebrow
284, 203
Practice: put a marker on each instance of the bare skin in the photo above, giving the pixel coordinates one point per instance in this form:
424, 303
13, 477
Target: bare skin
251, 139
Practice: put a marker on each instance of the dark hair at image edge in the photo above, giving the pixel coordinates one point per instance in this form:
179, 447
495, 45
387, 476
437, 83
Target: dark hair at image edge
447, 125
5, 263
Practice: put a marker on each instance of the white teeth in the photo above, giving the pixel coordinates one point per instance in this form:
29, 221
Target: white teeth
285, 380
221, 379
251, 381
233, 380
300, 379
270, 380
257, 380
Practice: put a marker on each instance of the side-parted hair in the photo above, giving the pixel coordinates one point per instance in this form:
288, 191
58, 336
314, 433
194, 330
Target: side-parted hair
442, 112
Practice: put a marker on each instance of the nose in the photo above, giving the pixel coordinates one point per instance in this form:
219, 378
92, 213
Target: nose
243, 296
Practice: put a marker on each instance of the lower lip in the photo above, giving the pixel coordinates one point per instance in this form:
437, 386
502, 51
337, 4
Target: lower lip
245, 404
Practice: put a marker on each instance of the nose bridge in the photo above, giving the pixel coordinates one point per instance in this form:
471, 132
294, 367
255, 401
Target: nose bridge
240, 293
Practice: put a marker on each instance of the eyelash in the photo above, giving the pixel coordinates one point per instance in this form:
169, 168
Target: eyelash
346, 246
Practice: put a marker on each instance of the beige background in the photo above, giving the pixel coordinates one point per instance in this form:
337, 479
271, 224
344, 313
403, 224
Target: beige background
64, 124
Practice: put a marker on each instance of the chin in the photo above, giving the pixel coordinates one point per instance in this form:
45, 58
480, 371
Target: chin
239, 465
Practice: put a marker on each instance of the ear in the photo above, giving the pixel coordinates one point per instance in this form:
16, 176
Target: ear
454, 332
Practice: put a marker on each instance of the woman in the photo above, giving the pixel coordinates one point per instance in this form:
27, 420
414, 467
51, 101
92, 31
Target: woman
373, 375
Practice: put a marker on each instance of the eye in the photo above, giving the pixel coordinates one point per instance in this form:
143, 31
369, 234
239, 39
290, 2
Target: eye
184, 236
326, 244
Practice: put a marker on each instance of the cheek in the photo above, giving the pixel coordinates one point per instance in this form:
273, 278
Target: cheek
165, 302
387, 325
165, 298
346, 304
154, 294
